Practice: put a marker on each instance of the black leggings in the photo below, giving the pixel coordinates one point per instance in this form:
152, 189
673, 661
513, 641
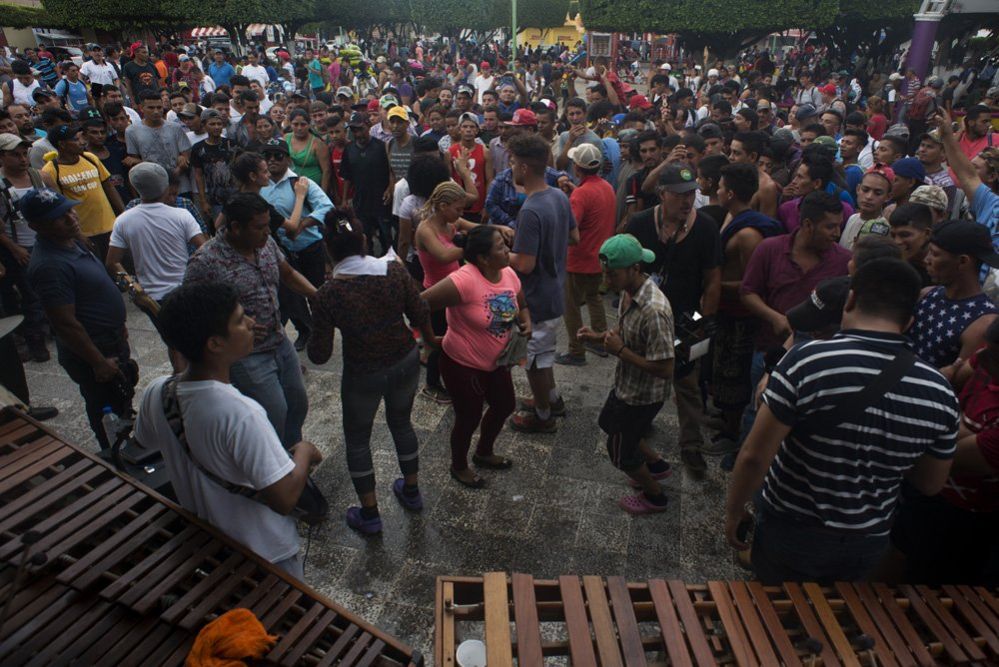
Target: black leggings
438, 321
470, 388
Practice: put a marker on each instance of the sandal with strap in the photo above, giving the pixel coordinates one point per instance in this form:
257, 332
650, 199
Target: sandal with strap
476, 483
501, 463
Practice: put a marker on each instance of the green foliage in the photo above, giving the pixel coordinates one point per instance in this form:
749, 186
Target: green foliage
865, 10
706, 16
19, 16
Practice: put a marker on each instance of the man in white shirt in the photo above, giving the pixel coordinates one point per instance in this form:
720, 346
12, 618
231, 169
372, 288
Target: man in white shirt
98, 70
254, 71
157, 236
227, 432
484, 81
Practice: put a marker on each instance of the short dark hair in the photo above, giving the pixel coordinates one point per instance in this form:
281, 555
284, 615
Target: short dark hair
897, 142
819, 167
815, 205
723, 106
245, 164
874, 246
861, 135
752, 142
818, 129
887, 288
600, 109
856, 118
710, 167
838, 115
649, 135
238, 80
695, 141
530, 149
751, 117
659, 78
425, 173
250, 96
146, 95
478, 242
51, 117
912, 214
576, 102
242, 206
683, 93
193, 313
742, 179
978, 110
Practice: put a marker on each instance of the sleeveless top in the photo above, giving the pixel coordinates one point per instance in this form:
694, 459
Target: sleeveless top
939, 323
477, 162
304, 162
434, 270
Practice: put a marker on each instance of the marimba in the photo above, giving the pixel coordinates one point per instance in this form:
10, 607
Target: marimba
97, 570
612, 623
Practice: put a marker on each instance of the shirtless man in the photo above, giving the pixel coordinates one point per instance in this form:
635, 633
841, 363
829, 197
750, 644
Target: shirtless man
746, 148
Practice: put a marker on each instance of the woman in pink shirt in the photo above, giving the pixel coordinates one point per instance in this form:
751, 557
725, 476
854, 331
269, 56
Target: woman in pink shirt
483, 300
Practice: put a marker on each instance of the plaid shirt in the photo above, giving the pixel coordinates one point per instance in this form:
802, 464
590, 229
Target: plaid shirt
645, 321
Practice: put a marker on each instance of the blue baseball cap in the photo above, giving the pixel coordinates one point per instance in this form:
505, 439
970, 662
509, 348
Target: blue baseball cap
44, 205
909, 167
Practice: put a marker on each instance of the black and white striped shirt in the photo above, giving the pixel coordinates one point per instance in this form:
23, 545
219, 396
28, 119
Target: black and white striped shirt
847, 477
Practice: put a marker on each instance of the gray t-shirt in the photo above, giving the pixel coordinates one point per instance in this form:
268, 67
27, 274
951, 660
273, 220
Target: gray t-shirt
543, 226
162, 145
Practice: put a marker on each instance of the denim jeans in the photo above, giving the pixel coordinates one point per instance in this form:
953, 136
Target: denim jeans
789, 550
360, 394
755, 373
311, 263
274, 380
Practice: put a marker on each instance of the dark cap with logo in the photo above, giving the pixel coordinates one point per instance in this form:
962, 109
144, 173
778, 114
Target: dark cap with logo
823, 308
678, 177
964, 237
44, 205
358, 119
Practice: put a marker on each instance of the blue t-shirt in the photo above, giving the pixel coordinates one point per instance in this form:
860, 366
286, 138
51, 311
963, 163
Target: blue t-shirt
985, 207
221, 73
75, 96
543, 226
854, 175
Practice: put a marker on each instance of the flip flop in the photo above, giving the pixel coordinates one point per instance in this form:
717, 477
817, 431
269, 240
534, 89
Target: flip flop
638, 504
484, 462
476, 483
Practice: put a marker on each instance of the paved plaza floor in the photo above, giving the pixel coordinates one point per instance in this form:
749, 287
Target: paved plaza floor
554, 513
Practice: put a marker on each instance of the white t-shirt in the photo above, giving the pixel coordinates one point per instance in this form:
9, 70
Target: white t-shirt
102, 74
482, 84
256, 73
400, 192
230, 435
21, 93
25, 235
157, 235
133, 116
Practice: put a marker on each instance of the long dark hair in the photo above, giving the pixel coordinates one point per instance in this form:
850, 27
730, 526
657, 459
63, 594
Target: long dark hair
344, 234
478, 242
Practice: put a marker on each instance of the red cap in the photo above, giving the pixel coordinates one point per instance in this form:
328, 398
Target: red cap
639, 102
462, 62
883, 171
134, 47
373, 106
828, 89
523, 118
484, 65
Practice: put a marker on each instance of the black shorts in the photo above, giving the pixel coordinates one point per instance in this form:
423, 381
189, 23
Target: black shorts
732, 349
625, 426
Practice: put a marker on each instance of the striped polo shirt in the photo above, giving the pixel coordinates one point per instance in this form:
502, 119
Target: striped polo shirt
847, 477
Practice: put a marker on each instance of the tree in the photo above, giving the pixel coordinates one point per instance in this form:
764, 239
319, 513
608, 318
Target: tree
20, 16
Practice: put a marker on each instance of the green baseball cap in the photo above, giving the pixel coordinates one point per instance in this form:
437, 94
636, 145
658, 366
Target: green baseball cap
624, 250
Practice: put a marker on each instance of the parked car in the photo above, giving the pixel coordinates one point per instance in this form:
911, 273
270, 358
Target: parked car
67, 53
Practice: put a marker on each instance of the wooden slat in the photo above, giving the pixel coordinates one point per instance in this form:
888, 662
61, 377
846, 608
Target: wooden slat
12, 477
832, 626
86, 561
309, 639
83, 576
271, 618
867, 626
340, 645
933, 623
289, 638
144, 598
499, 651
371, 654
577, 625
971, 615
52, 489
738, 642
691, 625
950, 623
627, 624
444, 635
525, 615
810, 623
754, 626
182, 541
224, 573
916, 644
901, 650
777, 632
349, 660
603, 625
673, 640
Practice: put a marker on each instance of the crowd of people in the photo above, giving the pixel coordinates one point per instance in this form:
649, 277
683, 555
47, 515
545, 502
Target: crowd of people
801, 258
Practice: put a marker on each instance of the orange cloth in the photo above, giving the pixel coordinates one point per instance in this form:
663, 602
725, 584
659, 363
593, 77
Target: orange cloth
229, 639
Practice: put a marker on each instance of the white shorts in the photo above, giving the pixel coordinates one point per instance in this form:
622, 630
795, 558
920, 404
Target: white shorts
541, 346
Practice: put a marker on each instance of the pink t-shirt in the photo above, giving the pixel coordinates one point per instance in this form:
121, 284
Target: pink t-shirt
478, 327
434, 270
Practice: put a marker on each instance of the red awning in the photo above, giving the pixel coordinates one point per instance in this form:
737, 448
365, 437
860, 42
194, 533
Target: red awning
215, 31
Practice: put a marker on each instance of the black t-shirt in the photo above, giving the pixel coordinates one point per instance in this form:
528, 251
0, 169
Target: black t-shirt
715, 212
213, 160
679, 267
367, 169
115, 164
633, 192
142, 77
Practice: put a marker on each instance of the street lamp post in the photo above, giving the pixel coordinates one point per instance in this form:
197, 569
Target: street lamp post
513, 28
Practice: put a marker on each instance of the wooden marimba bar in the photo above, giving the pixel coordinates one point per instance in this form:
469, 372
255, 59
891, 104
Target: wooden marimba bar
609, 622
95, 569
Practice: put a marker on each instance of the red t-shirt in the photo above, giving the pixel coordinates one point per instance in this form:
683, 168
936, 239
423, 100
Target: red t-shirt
594, 206
877, 125
979, 402
477, 165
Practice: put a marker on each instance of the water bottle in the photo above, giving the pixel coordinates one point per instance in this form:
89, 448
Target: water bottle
112, 424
